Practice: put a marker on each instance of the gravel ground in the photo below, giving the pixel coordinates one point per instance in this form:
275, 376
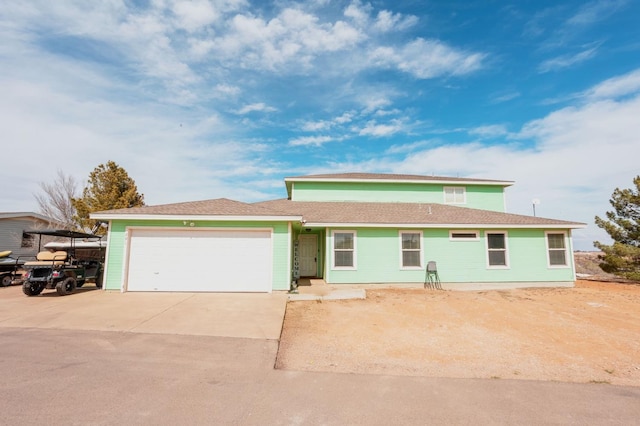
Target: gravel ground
590, 333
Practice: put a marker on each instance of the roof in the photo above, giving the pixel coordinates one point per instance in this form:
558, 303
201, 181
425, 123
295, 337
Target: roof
62, 233
217, 209
316, 213
18, 215
396, 178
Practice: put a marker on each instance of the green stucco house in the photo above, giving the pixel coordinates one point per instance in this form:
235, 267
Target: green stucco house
349, 228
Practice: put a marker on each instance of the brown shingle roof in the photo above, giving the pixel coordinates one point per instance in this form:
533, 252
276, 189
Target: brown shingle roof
217, 207
316, 212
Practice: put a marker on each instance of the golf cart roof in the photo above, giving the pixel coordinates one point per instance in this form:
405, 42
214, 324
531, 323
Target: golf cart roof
63, 233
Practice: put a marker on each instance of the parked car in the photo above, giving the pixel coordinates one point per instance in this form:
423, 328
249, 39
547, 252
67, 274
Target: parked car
64, 270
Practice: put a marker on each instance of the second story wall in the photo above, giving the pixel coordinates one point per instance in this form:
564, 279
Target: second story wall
487, 197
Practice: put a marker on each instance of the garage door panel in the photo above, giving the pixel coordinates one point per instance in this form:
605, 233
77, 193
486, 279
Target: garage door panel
199, 260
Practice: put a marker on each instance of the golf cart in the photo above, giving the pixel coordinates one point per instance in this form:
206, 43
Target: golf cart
9, 267
64, 267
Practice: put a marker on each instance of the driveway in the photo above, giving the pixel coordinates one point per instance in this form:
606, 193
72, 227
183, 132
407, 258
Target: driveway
244, 315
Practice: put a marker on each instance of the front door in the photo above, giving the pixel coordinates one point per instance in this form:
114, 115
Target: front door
308, 255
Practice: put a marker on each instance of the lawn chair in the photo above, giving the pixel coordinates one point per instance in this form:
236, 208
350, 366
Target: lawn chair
432, 279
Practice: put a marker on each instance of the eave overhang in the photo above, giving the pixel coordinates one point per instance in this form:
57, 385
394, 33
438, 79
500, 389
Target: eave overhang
445, 225
211, 218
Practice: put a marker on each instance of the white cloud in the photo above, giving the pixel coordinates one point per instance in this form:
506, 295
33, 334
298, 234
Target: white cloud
257, 107
388, 21
426, 59
310, 140
627, 84
566, 61
385, 21
489, 131
411, 147
358, 12
595, 11
227, 90
314, 126
372, 128
504, 97
292, 37
193, 15
344, 118
374, 100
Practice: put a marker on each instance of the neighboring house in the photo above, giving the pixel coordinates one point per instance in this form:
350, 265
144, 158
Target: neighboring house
12, 232
353, 228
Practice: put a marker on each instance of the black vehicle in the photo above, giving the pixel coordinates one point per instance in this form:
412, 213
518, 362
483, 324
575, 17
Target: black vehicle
9, 267
63, 270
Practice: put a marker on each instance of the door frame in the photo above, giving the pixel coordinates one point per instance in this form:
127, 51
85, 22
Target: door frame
309, 236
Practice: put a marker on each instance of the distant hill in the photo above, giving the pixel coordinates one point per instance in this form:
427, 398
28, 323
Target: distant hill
587, 262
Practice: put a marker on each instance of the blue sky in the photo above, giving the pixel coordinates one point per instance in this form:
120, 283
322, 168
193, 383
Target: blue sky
206, 99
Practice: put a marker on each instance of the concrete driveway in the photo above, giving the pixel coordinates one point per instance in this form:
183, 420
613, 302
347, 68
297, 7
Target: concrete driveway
244, 315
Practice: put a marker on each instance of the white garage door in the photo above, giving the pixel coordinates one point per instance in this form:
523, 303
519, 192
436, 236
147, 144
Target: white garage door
199, 260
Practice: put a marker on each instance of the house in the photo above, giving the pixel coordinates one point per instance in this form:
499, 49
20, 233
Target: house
12, 232
353, 228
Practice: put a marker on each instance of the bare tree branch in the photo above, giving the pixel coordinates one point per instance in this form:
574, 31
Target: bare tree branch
55, 201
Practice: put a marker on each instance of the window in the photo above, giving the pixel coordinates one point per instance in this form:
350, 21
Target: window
497, 249
28, 240
464, 235
454, 195
344, 247
557, 249
411, 249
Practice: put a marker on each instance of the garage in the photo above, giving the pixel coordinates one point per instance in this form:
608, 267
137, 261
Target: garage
200, 260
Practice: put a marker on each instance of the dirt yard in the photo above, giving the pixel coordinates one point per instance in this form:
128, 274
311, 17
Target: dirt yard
587, 334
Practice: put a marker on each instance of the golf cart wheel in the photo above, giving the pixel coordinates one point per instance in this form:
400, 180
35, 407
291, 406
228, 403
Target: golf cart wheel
66, 286
32, 289
5, 281
99, 280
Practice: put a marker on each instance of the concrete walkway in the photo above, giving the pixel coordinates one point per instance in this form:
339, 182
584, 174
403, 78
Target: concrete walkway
318, 289
245, 315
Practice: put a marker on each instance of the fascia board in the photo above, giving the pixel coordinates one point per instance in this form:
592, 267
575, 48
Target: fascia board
444, 225
445, 182
217, 218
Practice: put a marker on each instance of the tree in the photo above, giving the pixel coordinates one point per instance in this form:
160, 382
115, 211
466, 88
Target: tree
623, 225
108, 187
56, 200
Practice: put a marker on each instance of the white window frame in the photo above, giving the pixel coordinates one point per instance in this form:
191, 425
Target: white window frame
457, 199
354, 250
420, 250
464, 231
565, 249
506, 249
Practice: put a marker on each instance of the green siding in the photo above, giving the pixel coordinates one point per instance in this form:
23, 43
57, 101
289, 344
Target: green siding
378, 259
116, 250
487, 197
